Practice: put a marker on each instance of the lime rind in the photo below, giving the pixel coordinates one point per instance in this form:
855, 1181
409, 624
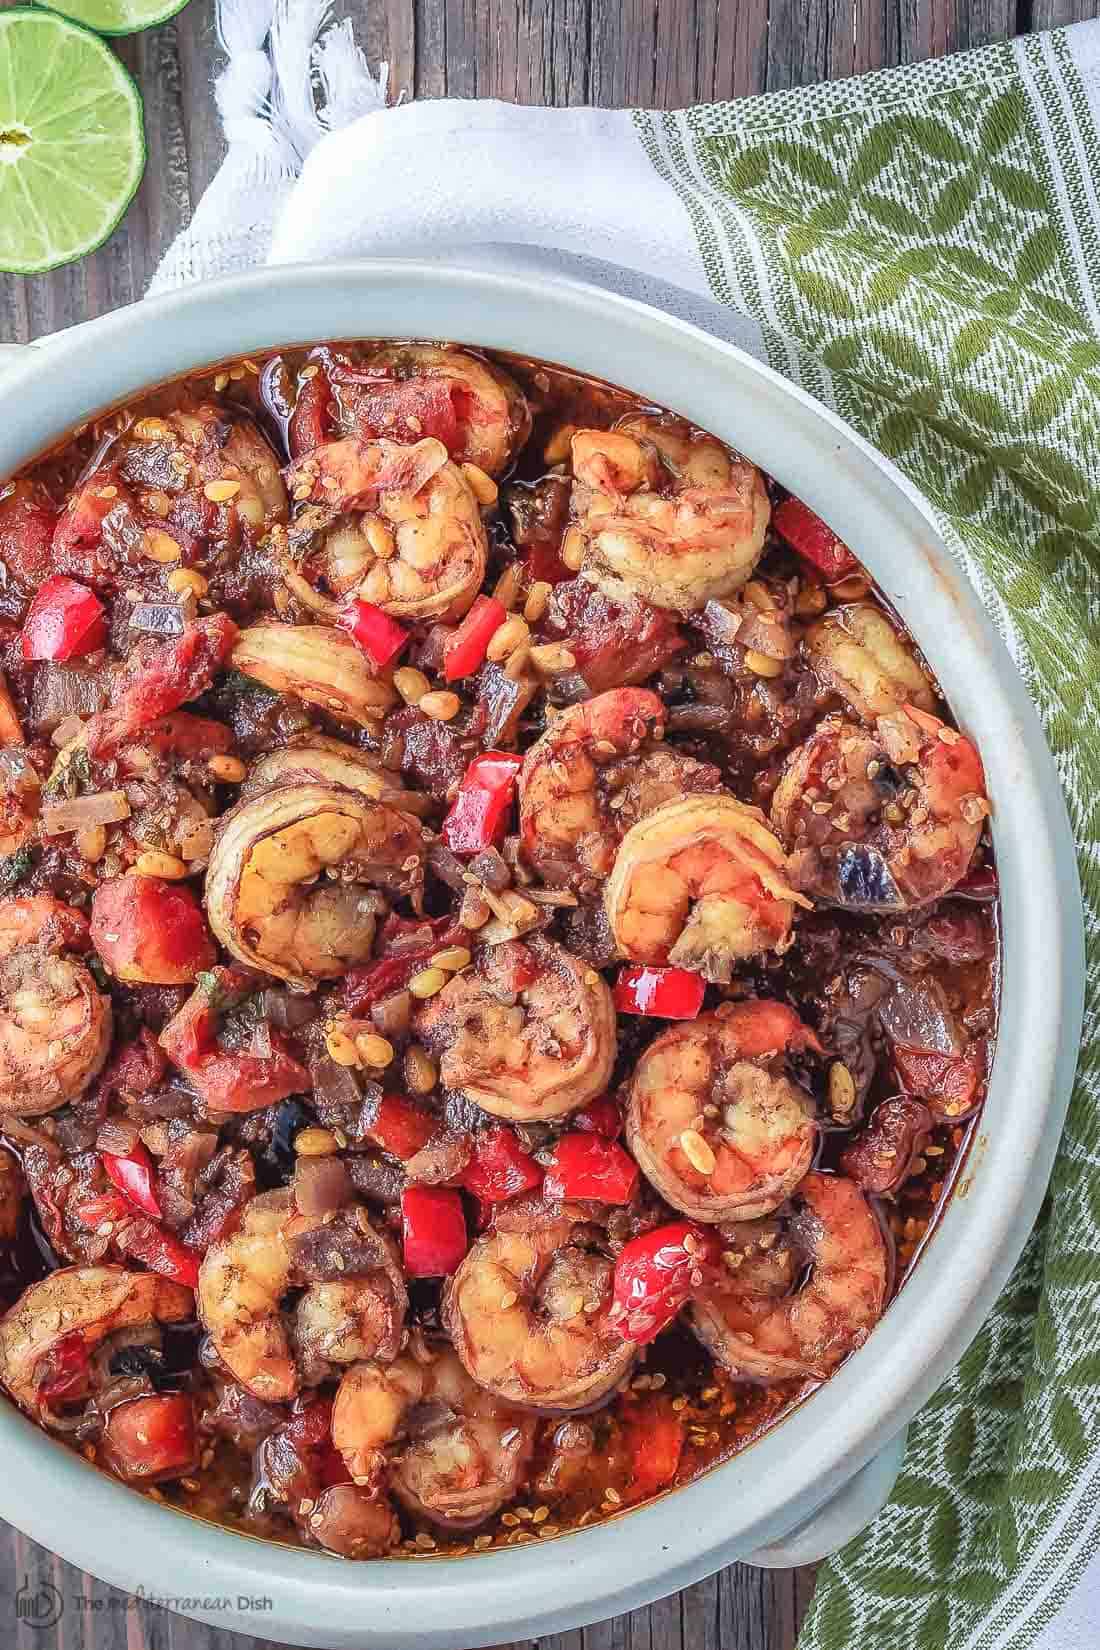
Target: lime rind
112, 20
65, 191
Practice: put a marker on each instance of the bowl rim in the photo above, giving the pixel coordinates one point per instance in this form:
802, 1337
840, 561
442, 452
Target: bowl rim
781, 1479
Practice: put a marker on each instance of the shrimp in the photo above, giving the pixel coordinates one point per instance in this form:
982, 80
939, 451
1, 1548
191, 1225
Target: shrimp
528, 1033
293, 885
470, 404
318, 759
529, 1310
55, 1026
883, 820
700, 883
458, 1463
354, 1302
666, 512
857, 651
712, 1121
56, 1322
318, 664
241, 1282
591, 776
761, 1328
421, 547
186, 485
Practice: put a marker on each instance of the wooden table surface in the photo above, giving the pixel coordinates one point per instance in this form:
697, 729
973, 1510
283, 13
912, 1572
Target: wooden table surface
656, 53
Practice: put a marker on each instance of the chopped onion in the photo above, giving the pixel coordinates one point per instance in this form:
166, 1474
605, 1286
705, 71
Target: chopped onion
919, 1017
447, 867
62, 691
321, 1185
66, 731
104, 808
287, 1010
117, 1137
392, 1016
158, 618
333, 1084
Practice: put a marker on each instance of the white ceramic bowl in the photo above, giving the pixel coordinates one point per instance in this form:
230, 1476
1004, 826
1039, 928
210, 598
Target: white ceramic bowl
811, 1482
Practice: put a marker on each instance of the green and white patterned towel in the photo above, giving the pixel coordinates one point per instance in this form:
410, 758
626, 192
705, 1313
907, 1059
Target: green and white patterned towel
920, 249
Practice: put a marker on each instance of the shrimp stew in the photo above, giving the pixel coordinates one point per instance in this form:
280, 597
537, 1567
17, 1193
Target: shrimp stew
498, 948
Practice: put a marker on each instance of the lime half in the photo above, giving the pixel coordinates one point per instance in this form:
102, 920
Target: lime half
117, 16
72, 148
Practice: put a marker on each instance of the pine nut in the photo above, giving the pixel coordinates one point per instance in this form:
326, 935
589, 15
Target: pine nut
697, 1152
184, 581
160, 546
152, 863
761, 665
152, 429
483, 487
411, 684
341, 1049
91, 843
420, 1070
513, 633
810, 601
572, 549
373, 1049
538, 598
440, 706
230, 769
552, 658
380, 539
560, 444
157, 502
427, 982
760, 596
221, 491
452, 958
517, 663
315, 1143
842, 1089
506, 588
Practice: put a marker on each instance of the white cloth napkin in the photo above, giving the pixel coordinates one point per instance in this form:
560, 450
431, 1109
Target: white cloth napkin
317, 167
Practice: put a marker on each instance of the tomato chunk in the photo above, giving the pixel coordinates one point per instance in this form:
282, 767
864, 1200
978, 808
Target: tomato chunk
600, 1116
380, 637
656, 1273
466, 650
150, 1438
479, 812
434, 1230
815, 542
948, 1083
62, 1375
135, 1176
667, 993
401, 1128
587, 1165
65, 620
151, 932
26, 528
500, 1167
227, 1079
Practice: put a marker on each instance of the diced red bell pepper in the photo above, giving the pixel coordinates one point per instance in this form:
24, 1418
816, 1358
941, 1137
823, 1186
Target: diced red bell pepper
380, 637
401, 1128
226, 1079
465, 652
134, 1175
477, 815
655, 1274
667, 993
654, 1438
500, 1168
587, 1165
151, 1438
434, 1230
601, 1116
63, 1373
163, 1253
108, 1206
65, 620
815, 542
